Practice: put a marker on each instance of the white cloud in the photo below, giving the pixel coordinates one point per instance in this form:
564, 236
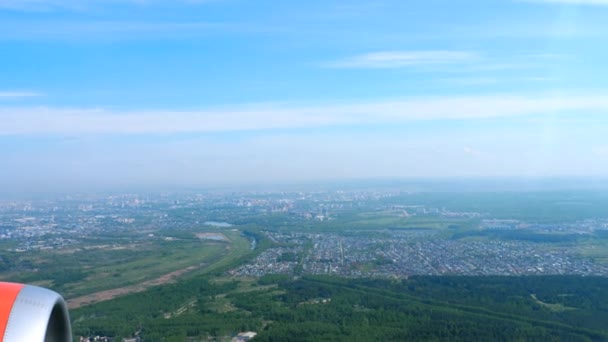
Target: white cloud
575, 2
601, 151
477, 81
43, 120
42, 5
471, 81
45, 5
472, 152
18, 94
115, 29
300, 156
397, 59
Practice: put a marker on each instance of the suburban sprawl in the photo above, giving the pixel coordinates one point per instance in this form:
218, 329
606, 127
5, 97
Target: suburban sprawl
236, 265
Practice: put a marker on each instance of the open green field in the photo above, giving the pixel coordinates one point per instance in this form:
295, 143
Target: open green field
153, 261
596, 249
391, 220
85, 270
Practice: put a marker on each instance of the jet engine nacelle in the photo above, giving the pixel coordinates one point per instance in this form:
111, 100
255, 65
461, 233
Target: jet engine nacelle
31, 314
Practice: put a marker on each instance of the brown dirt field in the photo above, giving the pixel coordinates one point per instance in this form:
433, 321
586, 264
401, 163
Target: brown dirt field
102, 296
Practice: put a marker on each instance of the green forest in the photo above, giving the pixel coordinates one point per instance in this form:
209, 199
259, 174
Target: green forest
314, 308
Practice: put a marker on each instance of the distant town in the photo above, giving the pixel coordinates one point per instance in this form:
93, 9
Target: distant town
402, 254
311, 233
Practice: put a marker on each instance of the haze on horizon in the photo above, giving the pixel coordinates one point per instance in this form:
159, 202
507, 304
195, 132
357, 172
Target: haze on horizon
129, 92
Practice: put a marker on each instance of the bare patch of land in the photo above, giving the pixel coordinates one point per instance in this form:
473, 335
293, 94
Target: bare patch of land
552, 307
113, 293
212, 236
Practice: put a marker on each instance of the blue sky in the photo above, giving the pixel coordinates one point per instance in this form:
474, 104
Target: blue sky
122, 92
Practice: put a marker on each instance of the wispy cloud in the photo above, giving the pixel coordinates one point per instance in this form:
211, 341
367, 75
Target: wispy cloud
113, 29
121, 29
46, 5
397, 59
471, 81
575, 2
477, 81
18, 121
475, 153
18, 94
600, 151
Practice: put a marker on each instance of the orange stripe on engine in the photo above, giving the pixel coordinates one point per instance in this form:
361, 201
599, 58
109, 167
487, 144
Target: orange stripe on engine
8, 294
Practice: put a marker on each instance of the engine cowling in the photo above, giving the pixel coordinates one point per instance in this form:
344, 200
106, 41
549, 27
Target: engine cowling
31, 314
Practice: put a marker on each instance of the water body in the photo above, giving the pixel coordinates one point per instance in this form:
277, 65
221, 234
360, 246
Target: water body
252, 237
218, 224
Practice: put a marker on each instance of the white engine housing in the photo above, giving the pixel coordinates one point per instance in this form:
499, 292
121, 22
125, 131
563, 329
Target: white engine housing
31, 313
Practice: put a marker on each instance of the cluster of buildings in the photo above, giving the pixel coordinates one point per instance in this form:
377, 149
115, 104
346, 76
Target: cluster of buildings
415, 210
57, 224
271, 261
64, 221
584, 227
413, 252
